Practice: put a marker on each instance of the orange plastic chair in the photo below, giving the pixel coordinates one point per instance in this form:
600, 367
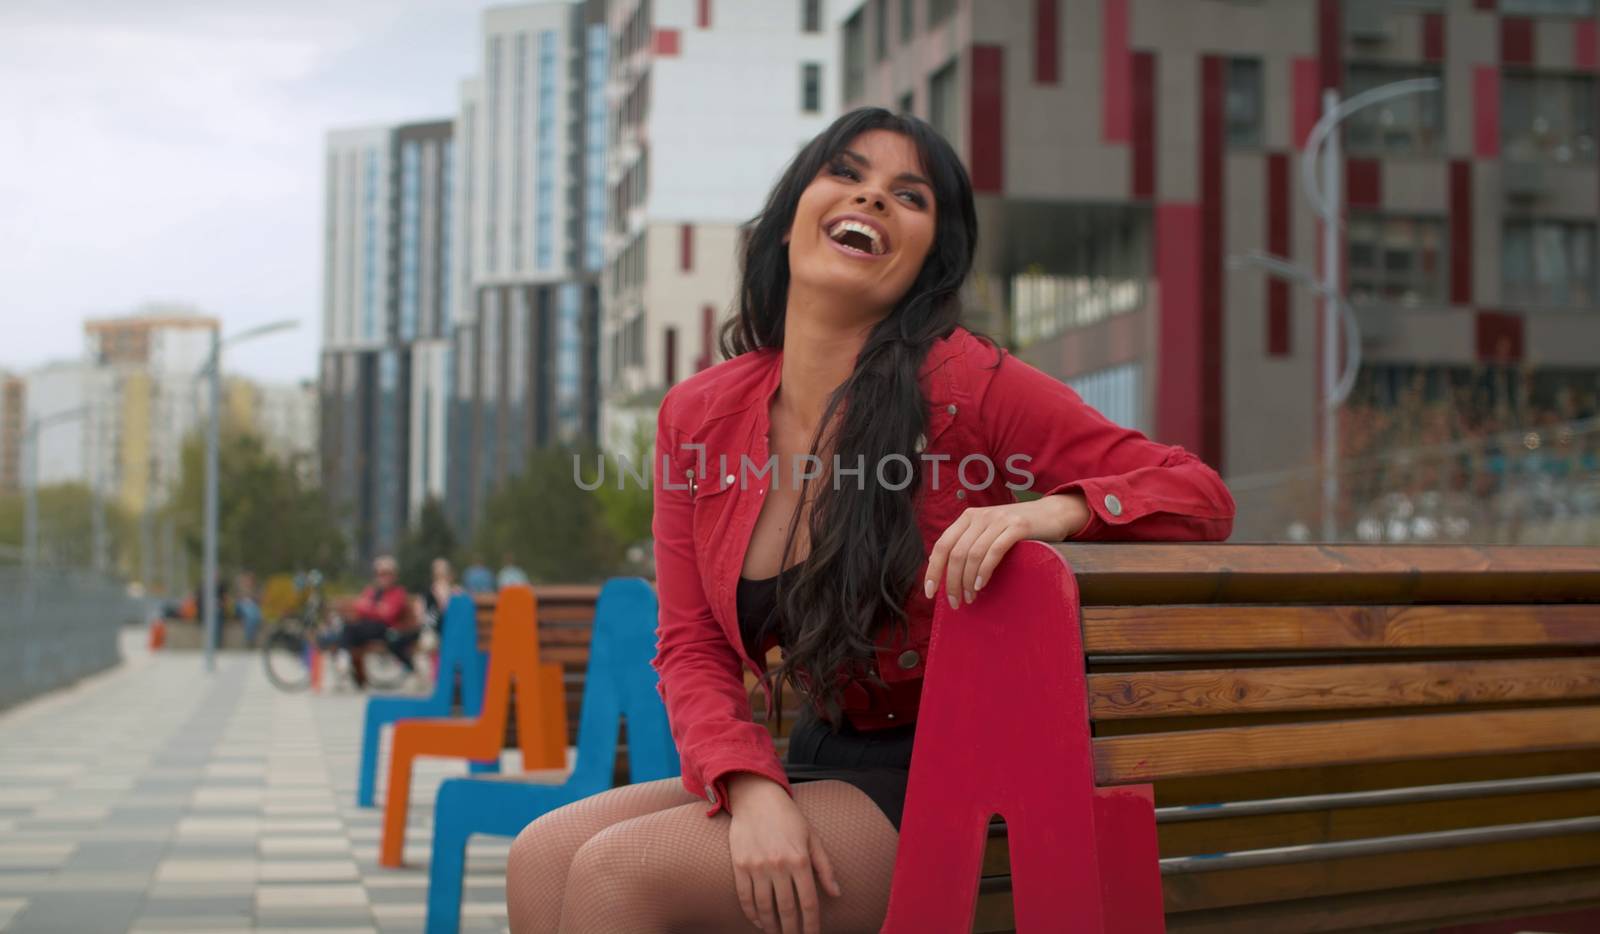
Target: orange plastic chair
541, 716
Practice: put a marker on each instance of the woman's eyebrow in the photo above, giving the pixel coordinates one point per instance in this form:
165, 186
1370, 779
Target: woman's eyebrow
902, 177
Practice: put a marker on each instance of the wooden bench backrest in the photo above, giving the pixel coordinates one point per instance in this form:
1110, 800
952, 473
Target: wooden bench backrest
1224, 673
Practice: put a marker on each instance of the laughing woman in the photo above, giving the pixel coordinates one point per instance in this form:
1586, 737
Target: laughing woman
807, 496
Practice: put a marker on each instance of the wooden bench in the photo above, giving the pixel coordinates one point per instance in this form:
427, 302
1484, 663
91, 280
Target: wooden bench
1349, 737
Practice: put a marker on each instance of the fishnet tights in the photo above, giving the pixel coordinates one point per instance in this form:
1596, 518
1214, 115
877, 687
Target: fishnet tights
645, 858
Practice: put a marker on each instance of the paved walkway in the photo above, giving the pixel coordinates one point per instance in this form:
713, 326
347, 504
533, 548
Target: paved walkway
158, 798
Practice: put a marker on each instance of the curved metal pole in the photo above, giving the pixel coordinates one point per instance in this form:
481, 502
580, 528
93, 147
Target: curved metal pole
1278, 266
1331, 119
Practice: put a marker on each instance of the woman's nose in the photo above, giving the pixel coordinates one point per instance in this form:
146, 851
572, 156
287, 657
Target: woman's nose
876, 201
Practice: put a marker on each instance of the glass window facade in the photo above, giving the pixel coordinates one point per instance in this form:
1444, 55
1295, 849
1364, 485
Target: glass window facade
1243, 103
810, 88
569, 362
1411, 123
545, 193
1548, 117
1548, 264
942, 104
811, 16
1547, 7
1087, 263
855, 56
595, 149
370, 325
1397, 260
491, 195
410, 237
519, 145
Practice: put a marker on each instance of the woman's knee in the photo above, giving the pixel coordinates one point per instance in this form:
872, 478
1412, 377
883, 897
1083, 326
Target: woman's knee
602, 866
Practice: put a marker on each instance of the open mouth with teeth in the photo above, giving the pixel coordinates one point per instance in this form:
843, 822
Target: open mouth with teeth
857, 237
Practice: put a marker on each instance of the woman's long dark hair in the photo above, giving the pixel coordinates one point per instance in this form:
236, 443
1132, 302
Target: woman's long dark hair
866, 550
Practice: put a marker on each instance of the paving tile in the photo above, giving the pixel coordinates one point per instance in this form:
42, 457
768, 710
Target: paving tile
79, 912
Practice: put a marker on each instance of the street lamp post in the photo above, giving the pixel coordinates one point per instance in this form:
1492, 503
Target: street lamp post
1322, 153
213, 371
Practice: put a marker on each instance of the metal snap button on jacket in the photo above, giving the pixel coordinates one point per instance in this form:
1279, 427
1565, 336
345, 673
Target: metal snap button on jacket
922, 443
909, 659
1113, 505
711, 794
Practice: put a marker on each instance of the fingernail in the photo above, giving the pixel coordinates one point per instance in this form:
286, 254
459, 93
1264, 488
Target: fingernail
977, 584
927, 588
968, 595
955, 602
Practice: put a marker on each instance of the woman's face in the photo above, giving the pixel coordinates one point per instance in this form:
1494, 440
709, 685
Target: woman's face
864, 225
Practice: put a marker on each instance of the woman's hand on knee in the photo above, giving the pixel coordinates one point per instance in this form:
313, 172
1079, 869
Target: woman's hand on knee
777, 859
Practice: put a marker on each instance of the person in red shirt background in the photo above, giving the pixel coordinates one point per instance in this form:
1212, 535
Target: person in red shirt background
383, 608
847, 350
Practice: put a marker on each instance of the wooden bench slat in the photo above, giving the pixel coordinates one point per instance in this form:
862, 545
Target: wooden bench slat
1147, 573
1450, 902
1153, 756
1373, 873
1323, 687
1115, 630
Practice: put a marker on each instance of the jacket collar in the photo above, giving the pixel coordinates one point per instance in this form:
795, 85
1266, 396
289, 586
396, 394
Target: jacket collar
766, 371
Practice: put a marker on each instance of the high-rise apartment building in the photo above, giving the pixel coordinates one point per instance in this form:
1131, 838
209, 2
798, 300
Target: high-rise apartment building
711, 99
54, 389
387, 291
142, 400
1123, 151
528, 245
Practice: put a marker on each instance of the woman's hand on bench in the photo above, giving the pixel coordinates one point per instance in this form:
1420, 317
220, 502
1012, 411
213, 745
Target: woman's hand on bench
971, 548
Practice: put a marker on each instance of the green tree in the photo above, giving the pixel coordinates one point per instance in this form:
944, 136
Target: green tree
552, 528
626, 506
428, 538
269, 520
66, 524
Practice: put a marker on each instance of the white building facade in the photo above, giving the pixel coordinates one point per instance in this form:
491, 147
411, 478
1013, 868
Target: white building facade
710, 101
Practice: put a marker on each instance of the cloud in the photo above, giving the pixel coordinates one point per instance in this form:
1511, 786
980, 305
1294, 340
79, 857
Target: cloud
173, 151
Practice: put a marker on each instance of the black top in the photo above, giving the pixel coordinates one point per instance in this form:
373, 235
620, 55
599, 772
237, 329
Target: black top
758, 606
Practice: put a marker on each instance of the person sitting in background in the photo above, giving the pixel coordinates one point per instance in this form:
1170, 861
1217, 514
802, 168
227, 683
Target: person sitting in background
478, 579
510, 573
436, 596
381, 610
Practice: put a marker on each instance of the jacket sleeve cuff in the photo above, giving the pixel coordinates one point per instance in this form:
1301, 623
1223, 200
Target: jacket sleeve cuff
717, 788
1100, 516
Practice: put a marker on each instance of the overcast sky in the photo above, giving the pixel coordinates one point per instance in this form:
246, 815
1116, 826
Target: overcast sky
169, 150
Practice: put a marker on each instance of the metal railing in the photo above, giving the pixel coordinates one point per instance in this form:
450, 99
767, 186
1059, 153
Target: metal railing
1521, 487
57, 625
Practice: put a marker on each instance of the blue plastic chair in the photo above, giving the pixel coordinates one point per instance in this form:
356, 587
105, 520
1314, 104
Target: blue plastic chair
620, 684
459, 656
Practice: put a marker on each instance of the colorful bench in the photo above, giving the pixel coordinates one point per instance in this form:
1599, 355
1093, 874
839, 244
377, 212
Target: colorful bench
619, 686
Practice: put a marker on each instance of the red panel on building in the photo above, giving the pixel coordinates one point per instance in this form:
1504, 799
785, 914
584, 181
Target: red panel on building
708, 322
1278, 194
1433, 37
1499, 337
1045, 33
1143, 150
1460, 232
669, 355
1213, 114
1330, 45
705, 14
1305, 99
1116, 78
986, 135
1363, 179
686, 247
1585, 50
1516, 40
1486, 111
1181, 365
664, 42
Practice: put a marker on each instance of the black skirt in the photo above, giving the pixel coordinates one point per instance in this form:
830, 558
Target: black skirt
878, 761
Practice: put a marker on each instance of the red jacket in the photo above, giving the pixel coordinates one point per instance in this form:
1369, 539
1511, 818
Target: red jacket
390, 607
1135, 488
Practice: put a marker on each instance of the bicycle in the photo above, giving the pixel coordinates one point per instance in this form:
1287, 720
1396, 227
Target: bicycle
289, 645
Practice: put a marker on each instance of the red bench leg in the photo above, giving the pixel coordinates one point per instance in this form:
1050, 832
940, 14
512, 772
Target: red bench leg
1004, 728
1130, 862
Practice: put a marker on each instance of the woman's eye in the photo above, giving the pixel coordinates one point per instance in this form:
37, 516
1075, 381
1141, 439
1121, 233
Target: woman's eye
915, 198
839, 168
